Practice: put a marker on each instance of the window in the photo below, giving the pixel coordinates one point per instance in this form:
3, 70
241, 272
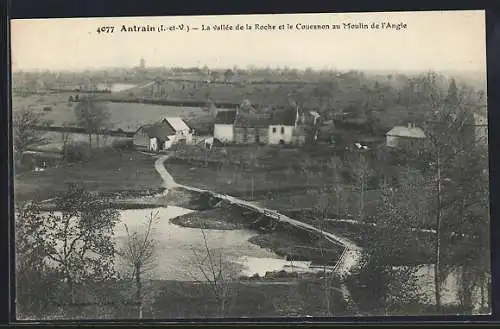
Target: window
274, 130
282, 130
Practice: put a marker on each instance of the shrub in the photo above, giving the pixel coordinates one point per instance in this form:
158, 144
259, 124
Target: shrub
76, 152
381, 288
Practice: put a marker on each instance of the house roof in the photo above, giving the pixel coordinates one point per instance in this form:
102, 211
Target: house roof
283, 117
252, 120
160, 130
176, 123
225, 117
401, 131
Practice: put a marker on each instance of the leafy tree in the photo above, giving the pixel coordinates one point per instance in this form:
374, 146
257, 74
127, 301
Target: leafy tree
214, 75
77, 239
228, 75
36, 284
458, 170
378, 282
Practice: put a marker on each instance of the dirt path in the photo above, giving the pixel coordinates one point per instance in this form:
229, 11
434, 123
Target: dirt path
350, 255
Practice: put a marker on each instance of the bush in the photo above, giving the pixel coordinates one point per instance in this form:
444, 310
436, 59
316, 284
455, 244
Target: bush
76, 152
379, 288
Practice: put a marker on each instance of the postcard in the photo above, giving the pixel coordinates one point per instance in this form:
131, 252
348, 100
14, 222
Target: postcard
251, 166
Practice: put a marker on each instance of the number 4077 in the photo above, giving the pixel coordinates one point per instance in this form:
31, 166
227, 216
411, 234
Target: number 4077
105, 29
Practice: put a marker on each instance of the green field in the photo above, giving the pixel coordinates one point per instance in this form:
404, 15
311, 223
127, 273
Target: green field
125, 116
108, 171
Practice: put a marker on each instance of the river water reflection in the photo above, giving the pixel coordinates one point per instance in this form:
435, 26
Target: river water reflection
180, 248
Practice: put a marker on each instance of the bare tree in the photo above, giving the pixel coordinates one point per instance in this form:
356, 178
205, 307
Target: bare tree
333, 165
321, 211
253, 163
66, 140
25, 123
361, 171
218, 273
139, 253
92, 116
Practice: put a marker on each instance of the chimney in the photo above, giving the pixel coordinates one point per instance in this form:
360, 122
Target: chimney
409, 125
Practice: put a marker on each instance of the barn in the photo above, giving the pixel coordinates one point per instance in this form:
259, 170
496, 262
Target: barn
154, 137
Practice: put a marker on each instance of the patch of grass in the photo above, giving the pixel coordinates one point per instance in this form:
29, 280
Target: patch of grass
245, 184
225, 218
296, 246
107, 171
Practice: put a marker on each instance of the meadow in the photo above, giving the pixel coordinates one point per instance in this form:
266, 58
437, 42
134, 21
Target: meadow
107, 171
125, 116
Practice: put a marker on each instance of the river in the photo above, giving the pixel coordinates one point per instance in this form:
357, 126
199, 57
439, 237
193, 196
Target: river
179, 249
116, 87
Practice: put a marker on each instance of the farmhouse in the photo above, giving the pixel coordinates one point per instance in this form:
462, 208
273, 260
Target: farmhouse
282, 126
277, 126
162, 135
224, 126
154, 137
398, 134
182, 131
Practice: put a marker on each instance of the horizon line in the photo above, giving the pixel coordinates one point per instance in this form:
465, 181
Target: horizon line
245, 68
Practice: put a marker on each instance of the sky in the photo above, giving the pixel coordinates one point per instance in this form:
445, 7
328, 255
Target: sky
438, 40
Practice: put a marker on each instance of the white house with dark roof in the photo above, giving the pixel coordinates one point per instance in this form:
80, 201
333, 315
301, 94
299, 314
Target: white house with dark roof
399, 133
181, 129
154, 137
161, 135
282, 126
224, 126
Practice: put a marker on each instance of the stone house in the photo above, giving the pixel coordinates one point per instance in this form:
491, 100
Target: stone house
251, 128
